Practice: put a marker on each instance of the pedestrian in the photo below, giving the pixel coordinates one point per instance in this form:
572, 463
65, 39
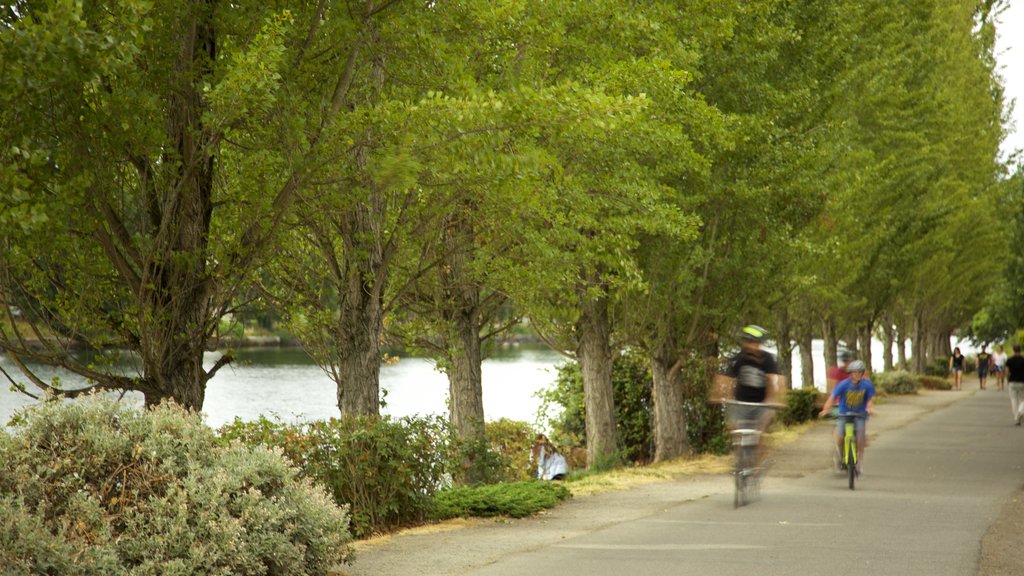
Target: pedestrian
1015, 376
956, 368
999, 367
984, 363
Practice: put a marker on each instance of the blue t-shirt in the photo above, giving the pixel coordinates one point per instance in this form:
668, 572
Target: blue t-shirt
854, 398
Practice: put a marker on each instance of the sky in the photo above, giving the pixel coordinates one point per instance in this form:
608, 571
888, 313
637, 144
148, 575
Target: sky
1010, 59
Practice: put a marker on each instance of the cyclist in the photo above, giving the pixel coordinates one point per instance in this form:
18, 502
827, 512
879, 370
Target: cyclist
755, 373
838, 373
855, 395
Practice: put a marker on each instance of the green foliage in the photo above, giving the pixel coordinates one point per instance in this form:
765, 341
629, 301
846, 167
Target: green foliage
938, 367
897, 382
95, 487
387, 471
517, 499
631, 382
801, 406
934, 383
513, 441
706, 426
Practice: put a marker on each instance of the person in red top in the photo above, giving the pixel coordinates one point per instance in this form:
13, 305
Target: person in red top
837, 374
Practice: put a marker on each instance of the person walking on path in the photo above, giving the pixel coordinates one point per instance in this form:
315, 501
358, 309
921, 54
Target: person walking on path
956, 368
999, 367
984, 363
1015, 376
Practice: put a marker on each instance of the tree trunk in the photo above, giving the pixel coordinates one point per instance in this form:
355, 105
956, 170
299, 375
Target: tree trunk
806, 360
465, 380
670, 440
918, 345
594, 354
785, 356
461, 296
864, 338
176, 318
888, 338
360, 326
828, 330
901, 348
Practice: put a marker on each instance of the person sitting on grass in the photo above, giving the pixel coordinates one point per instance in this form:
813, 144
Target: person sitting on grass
551, 465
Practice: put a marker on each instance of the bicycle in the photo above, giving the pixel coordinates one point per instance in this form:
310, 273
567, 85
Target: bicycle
746, 442
849, 456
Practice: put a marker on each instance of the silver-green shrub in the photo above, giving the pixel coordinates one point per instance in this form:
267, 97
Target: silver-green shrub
96, 487
897, 382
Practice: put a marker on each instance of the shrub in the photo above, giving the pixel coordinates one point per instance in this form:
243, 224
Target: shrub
938, 367
897, 382
516, 499
706, 427
934, 383
512, 440
801, 406
96, 487
631, 384
388, 470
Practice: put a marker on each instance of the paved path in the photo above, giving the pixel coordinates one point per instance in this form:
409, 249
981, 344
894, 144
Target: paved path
940, 469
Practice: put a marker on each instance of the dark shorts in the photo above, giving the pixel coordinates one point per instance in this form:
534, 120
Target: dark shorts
982, 371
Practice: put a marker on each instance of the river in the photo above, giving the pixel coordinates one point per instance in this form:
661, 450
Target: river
284, 382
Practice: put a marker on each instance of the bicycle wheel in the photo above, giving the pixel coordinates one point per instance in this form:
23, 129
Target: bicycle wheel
738, 498
851, 461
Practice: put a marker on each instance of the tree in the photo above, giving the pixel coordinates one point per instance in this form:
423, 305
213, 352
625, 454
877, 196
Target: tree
161, 147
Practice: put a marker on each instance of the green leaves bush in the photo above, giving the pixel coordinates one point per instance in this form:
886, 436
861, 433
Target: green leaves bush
801, 406
387, 470
516, 499
897, 382
95, 487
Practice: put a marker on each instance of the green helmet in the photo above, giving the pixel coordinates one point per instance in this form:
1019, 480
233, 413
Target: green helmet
753, 333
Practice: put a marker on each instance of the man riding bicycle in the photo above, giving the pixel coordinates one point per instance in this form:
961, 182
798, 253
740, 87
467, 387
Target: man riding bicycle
856, 396
755, 373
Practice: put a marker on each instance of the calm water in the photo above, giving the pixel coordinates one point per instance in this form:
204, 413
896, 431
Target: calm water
286, 383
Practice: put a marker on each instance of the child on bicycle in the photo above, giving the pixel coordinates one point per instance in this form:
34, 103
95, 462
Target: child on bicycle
855, 395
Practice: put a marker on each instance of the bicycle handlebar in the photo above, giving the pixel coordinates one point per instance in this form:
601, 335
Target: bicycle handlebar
760, 404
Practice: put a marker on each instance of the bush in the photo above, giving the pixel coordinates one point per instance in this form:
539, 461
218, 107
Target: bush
897, 382
517, 499
95, 487
388, 470
938, 367
631, 384
801, 406
513, 441
934, 383
706, 427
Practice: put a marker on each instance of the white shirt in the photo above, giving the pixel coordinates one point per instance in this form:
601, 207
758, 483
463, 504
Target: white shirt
551, 465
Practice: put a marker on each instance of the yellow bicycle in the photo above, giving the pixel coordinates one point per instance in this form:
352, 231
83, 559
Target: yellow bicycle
850, 445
